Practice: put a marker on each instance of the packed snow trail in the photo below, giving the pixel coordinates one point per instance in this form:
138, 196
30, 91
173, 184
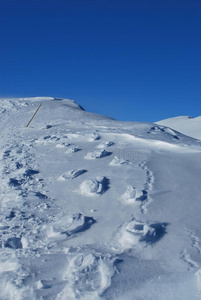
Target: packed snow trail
93, 208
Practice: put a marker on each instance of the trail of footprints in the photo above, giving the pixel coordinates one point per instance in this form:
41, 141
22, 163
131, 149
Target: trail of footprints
18, 221
193, 263
88, 273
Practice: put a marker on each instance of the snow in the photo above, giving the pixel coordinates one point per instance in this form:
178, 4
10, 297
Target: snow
72, 174
184, 124
132, 194
97, 154
136, 233
90, 187
93, 208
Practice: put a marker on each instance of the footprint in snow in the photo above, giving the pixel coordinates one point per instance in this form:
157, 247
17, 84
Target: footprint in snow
137, 234
88, 275
96, 186
4, 227
132, 195
198, 277
6, 154
119, 161
46, 140
48, 126
72, 174
24, 178
70, 225
105, 144
30, 172
11, 215
187, 259
18, 165
44, 284
51, 138
97, 154
14, 243
40, 195
62, 145
72, 150
94, 137
16, 182
150, 177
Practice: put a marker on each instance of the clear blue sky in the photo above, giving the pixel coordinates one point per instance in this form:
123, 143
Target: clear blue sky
136, 60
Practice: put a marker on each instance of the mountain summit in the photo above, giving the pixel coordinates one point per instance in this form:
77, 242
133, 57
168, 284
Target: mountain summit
186, 125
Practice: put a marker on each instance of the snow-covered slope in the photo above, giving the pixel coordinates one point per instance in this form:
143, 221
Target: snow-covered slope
93, 208
186, 125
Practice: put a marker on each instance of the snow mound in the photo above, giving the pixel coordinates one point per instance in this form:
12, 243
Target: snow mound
62, 145
72, 174
138, 234
105, 144
135, 234
71, 224
72, 150
94, 137
119, 161
88, 275
131, 194
97, 154
91, 187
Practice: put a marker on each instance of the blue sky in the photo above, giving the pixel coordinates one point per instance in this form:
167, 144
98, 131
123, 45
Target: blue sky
135, 60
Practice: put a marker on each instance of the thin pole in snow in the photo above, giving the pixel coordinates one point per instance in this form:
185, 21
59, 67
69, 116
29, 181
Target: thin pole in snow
34, 115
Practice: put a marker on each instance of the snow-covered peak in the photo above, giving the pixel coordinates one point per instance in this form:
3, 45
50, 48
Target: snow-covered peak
184, 124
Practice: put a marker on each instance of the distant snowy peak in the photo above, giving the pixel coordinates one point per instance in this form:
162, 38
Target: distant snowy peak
184, 124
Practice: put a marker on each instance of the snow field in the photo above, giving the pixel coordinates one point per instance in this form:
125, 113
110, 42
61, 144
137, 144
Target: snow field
68, 210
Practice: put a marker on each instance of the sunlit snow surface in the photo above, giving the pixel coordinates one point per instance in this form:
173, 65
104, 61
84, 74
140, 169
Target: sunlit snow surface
93, 208
184, 124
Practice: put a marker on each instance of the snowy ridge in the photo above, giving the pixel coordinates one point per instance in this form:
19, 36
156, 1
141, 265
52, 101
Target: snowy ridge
185, 124
93, 208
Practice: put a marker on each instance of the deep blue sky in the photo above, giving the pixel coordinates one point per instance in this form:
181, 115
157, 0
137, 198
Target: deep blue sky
136, 60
